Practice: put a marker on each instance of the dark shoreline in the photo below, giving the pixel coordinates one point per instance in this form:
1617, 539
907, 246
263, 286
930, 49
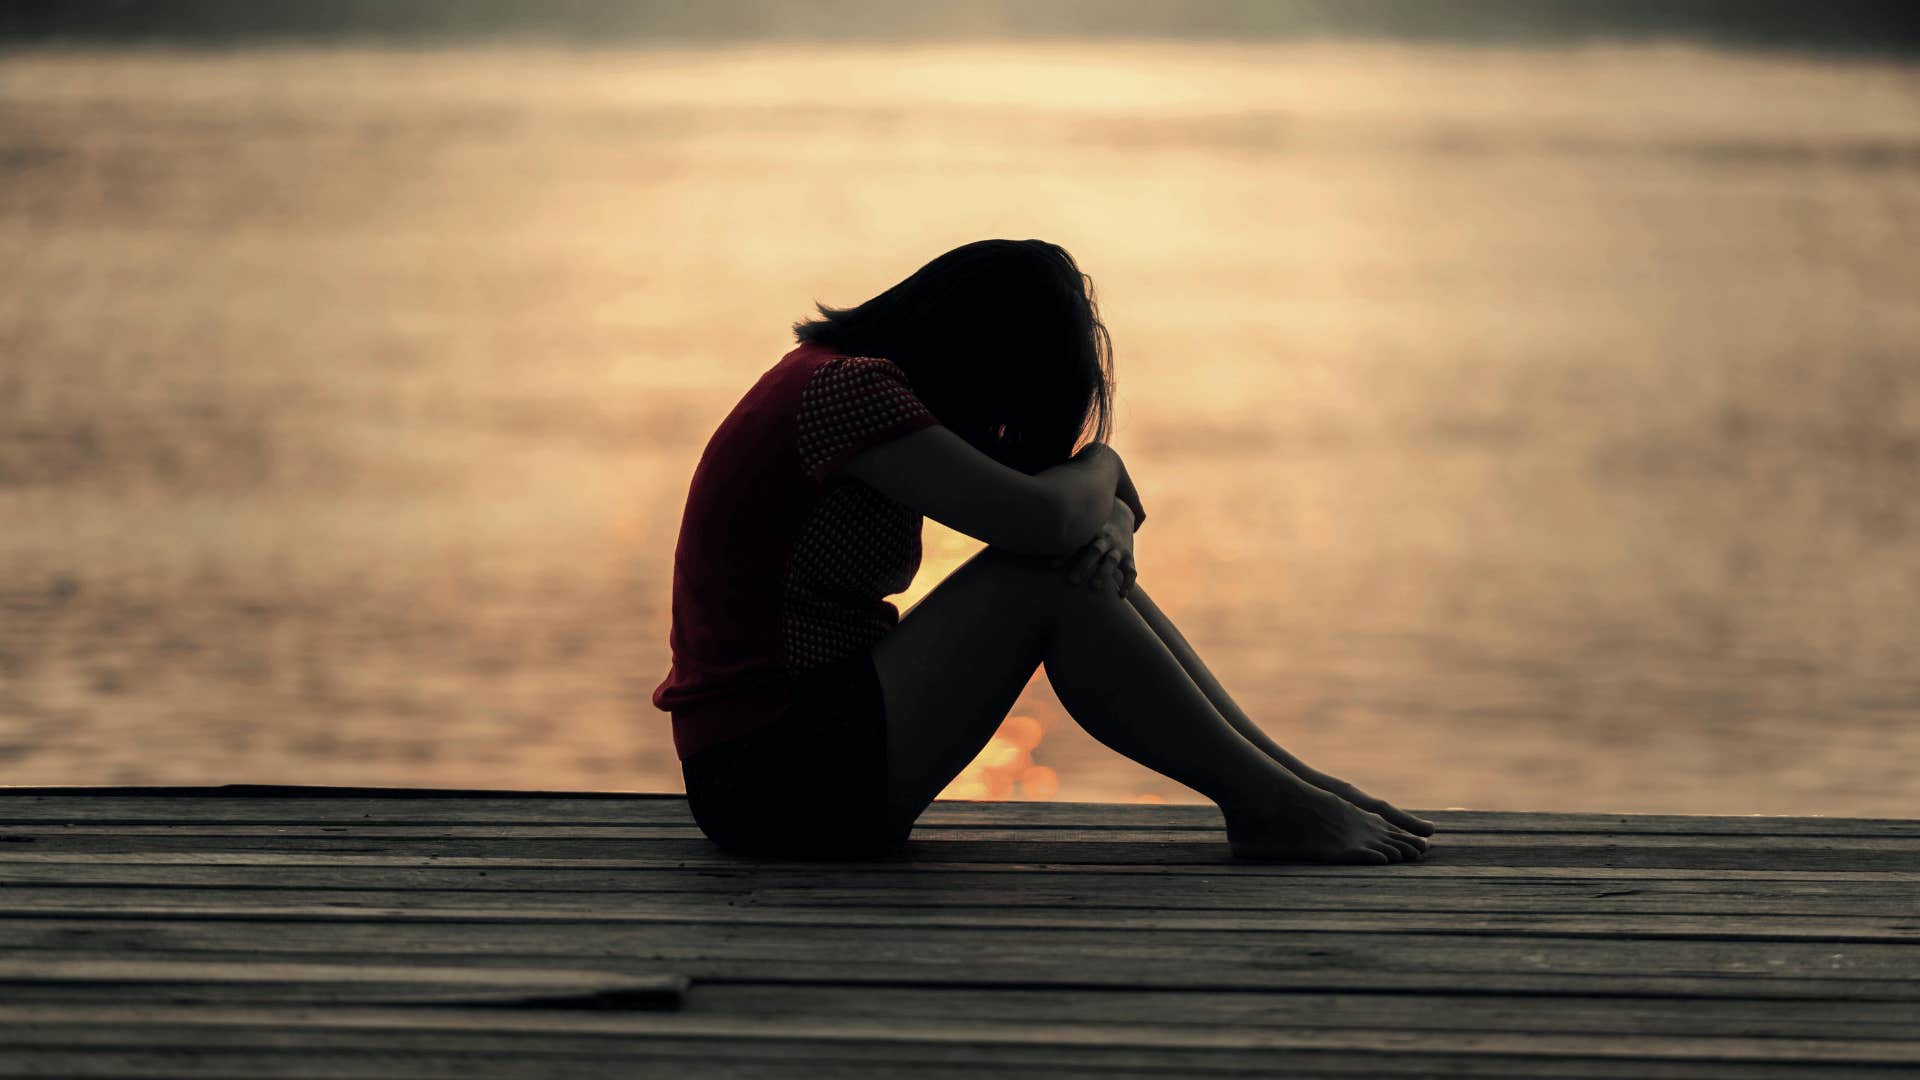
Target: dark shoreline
1846, 27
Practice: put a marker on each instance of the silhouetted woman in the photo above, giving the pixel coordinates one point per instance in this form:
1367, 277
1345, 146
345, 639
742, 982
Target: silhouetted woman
810, 718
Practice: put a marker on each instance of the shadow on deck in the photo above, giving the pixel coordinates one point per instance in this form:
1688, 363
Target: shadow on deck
311, 932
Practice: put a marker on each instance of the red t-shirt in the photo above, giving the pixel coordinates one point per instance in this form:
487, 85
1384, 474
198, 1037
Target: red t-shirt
782, 565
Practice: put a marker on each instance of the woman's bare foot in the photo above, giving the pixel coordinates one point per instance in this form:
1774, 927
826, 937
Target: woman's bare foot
1321, 827
1393, 815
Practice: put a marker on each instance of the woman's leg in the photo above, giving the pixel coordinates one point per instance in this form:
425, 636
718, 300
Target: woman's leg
1223, 703
955, 664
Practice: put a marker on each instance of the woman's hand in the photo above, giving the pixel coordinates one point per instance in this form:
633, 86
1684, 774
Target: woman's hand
1107, 560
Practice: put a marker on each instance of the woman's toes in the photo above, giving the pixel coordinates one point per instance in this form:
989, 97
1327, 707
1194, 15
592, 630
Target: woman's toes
1400, 818
1417, 826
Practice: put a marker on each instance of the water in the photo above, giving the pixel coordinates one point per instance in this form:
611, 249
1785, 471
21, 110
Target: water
1521, 429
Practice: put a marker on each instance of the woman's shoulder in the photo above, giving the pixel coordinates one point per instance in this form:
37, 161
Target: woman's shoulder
818, 373
812, 358
789, 377
849, 403
815, 384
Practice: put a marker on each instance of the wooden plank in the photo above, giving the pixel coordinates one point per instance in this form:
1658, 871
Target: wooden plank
1037, 938
1396, 1011
934, 825
459, 836
828, 1004
1172, 959
25, 978
721, 1060
1112, 886
138, 833
1434, 897
332, 1062
500, 1027
1078, 845
1676, 854
1540, 1007
579, 809
1033, 815
22, 806
1772, 853
704, 861
334, 792
1895, 930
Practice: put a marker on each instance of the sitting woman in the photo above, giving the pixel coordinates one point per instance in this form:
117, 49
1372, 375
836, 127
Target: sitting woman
812, 720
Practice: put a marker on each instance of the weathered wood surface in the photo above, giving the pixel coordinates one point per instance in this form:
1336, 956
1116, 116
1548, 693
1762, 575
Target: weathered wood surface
289, 932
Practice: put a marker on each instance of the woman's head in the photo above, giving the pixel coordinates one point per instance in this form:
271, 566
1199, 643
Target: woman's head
1001, 339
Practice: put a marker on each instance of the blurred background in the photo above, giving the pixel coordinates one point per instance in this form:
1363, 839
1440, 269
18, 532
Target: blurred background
1526, 395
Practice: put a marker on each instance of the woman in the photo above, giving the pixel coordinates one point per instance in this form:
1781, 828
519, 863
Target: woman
811, 720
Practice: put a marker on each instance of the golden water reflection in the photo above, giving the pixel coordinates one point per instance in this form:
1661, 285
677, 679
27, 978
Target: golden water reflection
1520, 429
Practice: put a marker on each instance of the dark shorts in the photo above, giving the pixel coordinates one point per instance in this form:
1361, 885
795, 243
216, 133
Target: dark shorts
812, 784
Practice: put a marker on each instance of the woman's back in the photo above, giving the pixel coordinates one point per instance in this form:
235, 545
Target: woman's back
782, 566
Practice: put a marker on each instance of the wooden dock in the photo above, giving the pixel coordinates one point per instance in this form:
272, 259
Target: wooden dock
326, 933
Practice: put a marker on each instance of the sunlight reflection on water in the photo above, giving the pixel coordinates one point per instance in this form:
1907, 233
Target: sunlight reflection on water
1520, 429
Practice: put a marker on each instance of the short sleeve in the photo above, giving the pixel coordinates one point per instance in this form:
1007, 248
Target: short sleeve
850, 404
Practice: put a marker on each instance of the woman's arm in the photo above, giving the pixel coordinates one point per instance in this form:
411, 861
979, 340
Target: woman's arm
1052, 512
1127, 494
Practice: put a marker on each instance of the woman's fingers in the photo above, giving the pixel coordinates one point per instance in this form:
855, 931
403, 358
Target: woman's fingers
1088, 560
1406, 849
1101, 564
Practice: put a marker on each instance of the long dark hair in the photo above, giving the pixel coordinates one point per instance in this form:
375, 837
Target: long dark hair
1001, 339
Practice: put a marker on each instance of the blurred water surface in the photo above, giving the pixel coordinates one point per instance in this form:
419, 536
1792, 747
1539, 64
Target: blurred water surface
1529, 429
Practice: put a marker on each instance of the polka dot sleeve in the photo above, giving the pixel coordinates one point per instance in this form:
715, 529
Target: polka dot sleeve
853, 403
